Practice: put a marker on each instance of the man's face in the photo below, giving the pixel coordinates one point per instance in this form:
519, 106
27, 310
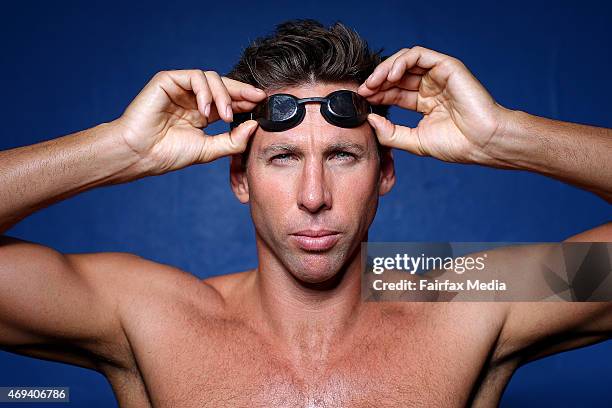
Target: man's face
313, 177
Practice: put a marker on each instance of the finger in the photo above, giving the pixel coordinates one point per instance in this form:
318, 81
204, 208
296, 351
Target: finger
202, 90
239, 91
244, 97
222, 98
380, 73
399, 137
396, 96
421, 57
408, 82
228, 143
189, 80
416, 60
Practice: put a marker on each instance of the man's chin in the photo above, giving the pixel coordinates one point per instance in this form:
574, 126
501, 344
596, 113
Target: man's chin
317, 270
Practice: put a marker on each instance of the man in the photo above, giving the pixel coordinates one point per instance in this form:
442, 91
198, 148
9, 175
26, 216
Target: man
293, 331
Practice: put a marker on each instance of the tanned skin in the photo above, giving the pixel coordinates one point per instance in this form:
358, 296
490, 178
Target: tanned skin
293, 331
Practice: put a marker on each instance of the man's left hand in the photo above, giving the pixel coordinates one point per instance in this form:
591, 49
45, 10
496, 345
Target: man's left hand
460, 117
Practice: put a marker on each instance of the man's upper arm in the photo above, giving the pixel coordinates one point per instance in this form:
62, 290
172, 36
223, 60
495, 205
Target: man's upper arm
536, 329
61, 307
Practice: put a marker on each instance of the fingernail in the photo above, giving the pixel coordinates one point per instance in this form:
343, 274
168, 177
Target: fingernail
373, 120
228, 112
207, 110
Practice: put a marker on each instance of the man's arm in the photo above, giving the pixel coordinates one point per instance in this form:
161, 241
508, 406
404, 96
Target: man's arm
69, 307
577, 154
51, 304
462, 123
536, 329
33, 177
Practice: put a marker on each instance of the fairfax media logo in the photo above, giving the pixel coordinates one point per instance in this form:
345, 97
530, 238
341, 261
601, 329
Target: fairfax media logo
440, 285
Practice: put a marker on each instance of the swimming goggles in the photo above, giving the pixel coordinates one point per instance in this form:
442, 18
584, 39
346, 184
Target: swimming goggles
281, 111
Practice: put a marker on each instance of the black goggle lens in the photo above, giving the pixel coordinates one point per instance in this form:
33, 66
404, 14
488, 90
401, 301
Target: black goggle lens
346, 109
281, 108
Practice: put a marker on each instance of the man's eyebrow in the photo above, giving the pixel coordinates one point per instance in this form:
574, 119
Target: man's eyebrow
346, 145
291, 148
279, 147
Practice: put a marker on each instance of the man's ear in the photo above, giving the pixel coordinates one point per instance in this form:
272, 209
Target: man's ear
238, 178
386, 179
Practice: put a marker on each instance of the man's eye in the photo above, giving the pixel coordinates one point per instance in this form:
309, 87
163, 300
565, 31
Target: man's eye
281, 157
342, 155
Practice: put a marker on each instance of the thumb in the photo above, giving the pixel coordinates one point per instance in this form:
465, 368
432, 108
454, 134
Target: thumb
228, 143
396, 136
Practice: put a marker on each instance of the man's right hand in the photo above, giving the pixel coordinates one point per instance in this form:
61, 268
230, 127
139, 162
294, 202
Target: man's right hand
164, 123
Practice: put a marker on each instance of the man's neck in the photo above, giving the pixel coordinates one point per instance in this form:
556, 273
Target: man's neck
308, 319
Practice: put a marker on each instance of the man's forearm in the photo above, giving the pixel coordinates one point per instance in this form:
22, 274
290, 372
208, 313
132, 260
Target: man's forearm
577, 154
33, 177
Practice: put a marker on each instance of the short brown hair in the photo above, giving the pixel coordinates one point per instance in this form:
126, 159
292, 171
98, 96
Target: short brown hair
302, 52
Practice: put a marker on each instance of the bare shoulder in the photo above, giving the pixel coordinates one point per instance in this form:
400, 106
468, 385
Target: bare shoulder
133, 277
139, 291
77, 308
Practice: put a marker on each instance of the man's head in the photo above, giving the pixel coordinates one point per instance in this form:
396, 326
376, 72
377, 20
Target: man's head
304, 51
316, 175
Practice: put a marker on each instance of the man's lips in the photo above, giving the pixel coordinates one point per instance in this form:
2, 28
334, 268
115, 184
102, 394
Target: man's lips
316, 240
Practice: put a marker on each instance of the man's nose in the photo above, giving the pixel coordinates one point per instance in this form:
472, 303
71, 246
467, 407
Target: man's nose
314, 194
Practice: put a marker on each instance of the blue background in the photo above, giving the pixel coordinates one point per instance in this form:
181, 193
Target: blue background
69, 66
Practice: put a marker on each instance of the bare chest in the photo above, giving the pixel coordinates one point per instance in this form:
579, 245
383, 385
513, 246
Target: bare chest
185, 360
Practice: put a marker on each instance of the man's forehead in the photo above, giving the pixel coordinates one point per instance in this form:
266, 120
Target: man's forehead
309, 90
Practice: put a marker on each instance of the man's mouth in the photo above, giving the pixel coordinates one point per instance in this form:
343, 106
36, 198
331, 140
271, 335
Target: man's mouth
315, 240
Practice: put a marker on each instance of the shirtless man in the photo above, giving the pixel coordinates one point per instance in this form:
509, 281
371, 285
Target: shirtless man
293, 331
